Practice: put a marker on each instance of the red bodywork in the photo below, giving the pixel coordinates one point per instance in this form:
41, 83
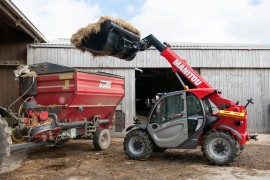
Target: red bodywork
80, 95
237, 126
41, 116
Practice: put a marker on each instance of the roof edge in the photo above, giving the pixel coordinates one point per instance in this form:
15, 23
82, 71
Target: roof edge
22, 21
65, 43
177, 47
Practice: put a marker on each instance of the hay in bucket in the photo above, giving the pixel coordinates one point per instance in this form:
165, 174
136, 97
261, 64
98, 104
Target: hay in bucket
94, 28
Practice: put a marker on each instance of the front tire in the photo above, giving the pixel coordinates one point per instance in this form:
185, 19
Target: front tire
221, 148
138, 145
101, 139
5, 140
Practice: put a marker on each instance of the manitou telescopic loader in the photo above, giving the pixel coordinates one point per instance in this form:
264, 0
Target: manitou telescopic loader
179, 120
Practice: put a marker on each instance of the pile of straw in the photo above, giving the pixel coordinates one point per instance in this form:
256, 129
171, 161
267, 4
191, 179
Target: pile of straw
94, 28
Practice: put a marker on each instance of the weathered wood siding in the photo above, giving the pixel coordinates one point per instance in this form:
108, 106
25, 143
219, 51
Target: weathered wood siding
238, 58
9, 87
240, 73
13, 49
242, 84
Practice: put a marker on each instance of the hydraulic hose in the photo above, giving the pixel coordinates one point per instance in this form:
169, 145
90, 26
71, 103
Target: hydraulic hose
22, 94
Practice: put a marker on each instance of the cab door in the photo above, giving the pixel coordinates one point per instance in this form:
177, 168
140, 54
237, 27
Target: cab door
168, 124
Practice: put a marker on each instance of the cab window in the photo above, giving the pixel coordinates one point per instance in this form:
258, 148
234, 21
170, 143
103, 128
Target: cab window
195, 114
168, 109
193, 105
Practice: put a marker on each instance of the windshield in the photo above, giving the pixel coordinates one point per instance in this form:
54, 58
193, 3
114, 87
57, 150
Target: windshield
168, 109
209, 107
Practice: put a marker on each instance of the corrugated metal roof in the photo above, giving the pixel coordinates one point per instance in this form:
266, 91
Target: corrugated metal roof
65, 43
56, 43
59, 41
184, 45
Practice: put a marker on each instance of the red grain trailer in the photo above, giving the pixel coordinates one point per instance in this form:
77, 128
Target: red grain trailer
60, 103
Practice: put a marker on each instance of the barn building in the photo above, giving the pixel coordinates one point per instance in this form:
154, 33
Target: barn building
16, 32
240, 71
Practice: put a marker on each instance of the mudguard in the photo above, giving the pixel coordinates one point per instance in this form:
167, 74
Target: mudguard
233, 131
139, 126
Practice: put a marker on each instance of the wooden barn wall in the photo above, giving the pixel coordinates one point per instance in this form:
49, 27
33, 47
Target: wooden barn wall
13, 52
223, 68
9, 90
13, 48
152, 59
242, 84
128, 103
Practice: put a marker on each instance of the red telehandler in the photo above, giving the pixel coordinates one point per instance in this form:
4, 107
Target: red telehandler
178, 120
185, 119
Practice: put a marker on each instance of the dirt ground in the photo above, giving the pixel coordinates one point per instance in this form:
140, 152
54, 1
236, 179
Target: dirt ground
79, 160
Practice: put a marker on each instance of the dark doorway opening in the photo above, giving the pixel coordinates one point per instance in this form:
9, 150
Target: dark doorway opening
151, 81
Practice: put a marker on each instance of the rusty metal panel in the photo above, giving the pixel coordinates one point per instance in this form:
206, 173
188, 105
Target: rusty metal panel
242, 84
9, 90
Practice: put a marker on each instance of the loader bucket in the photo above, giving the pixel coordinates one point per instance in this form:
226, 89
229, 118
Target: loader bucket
111, 40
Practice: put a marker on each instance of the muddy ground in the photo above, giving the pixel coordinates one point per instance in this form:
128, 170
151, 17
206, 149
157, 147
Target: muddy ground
79, 160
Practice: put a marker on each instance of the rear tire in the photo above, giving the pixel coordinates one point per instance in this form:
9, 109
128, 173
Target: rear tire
138, 145
5, 140
101, 139
221, 148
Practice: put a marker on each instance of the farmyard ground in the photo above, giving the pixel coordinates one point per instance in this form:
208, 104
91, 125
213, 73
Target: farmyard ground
79, 160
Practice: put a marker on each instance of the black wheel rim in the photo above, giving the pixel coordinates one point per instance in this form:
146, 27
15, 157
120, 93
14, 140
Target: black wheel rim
219, 148
136, 145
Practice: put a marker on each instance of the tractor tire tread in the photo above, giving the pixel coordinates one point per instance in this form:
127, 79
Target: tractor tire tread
148, 144
96, 139
235, 148
5, 140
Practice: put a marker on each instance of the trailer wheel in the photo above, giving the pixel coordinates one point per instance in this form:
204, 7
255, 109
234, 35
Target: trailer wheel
5, 140
221, 148
138, 145
101, 139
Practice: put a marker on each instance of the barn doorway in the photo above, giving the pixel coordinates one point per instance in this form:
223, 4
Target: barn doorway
150, 82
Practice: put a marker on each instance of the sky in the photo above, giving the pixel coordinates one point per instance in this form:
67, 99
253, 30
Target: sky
195, 21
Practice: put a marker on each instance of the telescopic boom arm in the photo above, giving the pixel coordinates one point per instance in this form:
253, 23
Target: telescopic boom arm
180, 65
